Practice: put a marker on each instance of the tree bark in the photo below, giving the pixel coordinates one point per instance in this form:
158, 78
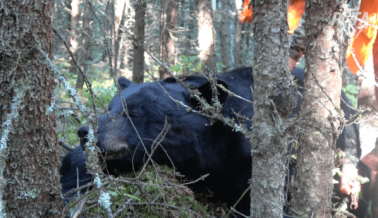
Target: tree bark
312, 188
168, 33
237, 40
116, 37
87, 47
269, 144
224, 34
206, 36
138, 60
30, 161
74, 37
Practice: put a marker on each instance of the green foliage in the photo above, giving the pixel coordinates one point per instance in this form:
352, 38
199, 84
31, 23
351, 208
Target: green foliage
105, 90
351, 92
147, 196
191, 64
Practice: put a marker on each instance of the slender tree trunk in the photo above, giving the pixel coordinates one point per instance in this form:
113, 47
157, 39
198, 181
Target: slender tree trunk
313, 186
118, 16
74, 38
224, 34
87, 47
237, 41
182, 18
206, 39
120, 47
168, 33
30, 152
192, 32
138, 60
270, 71
124, 56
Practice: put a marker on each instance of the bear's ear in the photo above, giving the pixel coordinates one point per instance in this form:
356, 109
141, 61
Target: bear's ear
207, 93
124, 83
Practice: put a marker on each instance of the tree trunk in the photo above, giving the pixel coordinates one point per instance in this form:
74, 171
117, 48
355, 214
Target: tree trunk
270, 71
192, 28
312, 188
124, 50
168, 33
237, 41
206, 36
138, 60
30, 152
224, 34
116, 38
87, 47
74, 37
182, 18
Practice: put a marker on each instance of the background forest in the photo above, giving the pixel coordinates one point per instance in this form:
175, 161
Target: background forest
97, 41
97, 35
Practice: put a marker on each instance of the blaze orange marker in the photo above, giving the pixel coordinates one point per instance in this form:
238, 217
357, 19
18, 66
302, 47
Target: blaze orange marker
295, 12
364, 36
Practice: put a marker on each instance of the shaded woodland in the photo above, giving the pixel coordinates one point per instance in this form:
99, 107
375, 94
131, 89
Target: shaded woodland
89, 44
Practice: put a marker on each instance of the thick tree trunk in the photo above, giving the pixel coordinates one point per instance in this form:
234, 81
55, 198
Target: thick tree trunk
224, 34
237, 40
168, 33
74, 37
30, 153
138, 60
206, 36
312, 188
87, 47
270, 71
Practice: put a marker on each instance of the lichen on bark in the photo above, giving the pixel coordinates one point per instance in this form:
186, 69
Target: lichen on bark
271, 79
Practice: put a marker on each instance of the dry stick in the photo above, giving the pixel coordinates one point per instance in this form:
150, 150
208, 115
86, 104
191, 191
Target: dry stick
168, 205
106, 43
80, 208
343, 212
161, 135
64, 145
87, 83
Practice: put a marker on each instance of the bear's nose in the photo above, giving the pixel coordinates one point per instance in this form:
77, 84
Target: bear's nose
83, 131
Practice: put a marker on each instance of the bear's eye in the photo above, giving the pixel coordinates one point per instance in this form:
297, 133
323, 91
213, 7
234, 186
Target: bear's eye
134, 113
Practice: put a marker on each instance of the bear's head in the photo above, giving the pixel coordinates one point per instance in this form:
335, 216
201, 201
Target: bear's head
142, 119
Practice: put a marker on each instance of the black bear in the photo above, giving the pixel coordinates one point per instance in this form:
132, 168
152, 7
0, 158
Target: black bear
193, 145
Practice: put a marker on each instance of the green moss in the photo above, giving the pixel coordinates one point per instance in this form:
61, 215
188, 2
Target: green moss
156, 193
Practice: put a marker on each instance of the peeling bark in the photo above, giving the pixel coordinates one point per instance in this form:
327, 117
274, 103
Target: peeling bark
270, 71
312, 189
31, 158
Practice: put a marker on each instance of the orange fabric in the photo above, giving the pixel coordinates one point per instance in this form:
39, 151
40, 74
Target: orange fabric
295, 12
247, 13
375, 61
294, 15
363, 38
